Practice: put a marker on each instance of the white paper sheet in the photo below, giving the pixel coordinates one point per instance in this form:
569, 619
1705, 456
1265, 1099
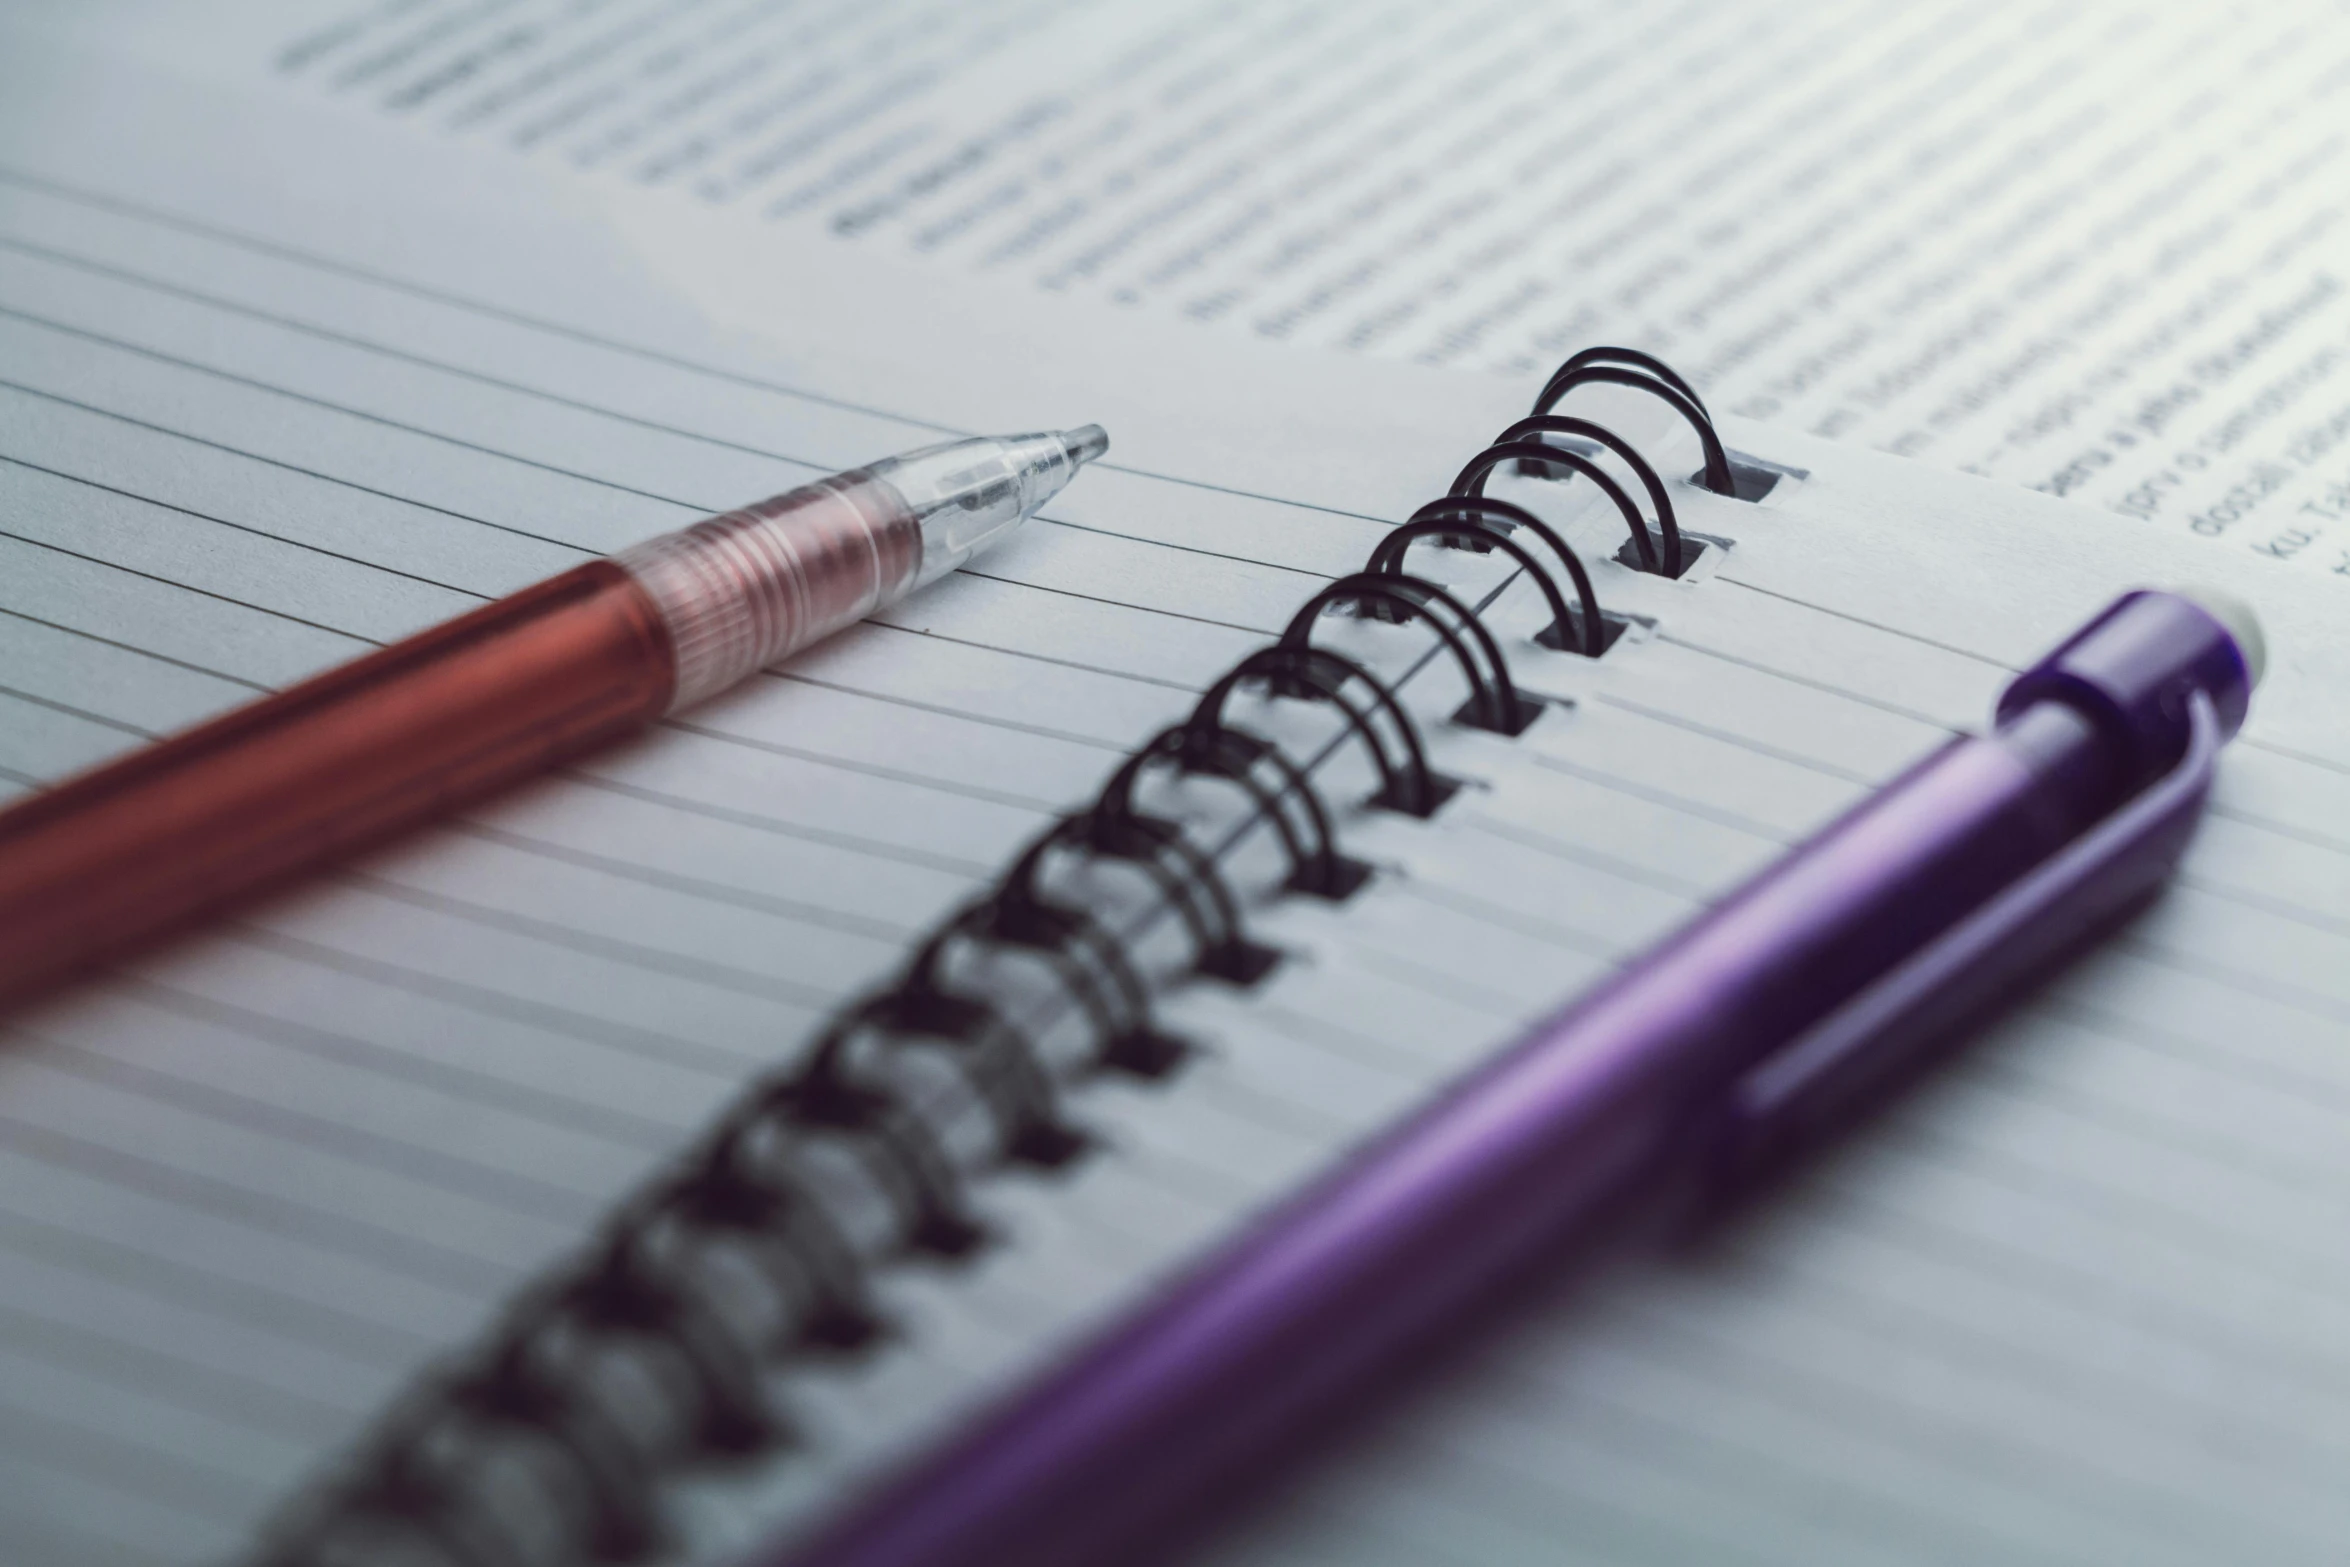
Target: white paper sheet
280, 387
2083, 248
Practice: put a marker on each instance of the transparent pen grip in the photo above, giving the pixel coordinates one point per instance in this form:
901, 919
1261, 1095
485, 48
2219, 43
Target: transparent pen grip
738, 592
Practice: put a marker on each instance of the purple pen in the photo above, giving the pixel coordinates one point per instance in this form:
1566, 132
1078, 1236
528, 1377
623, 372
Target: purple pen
1769, 1018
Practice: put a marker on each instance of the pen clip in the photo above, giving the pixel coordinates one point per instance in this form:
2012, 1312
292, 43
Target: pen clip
1788, 1101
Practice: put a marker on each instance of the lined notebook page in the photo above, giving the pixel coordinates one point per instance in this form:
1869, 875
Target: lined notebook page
255, 1183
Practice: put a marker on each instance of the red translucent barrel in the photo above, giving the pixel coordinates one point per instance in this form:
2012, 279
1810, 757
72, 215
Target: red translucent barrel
250, 799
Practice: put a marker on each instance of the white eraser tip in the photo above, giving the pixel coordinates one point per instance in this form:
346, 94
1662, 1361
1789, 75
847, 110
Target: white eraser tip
2242, 623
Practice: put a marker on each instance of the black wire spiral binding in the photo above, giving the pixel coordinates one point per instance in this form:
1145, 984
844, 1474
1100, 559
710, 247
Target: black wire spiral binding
651, 1348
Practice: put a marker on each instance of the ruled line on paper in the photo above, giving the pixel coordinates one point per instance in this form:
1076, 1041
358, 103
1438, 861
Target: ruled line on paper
259, 245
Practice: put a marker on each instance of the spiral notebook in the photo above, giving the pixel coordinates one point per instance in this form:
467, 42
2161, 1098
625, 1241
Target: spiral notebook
268, 1195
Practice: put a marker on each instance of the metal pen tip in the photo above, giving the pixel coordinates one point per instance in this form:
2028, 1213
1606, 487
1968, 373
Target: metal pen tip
1085, 443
